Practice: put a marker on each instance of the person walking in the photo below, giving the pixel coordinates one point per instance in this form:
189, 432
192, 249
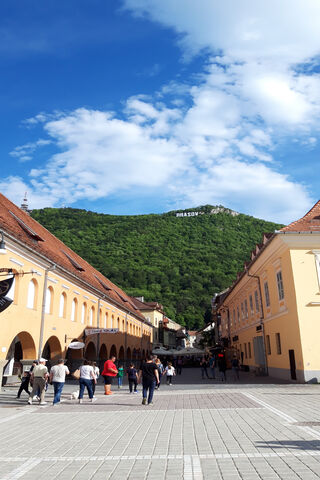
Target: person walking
170, 371
179, 365
204, 367
150, 378
97, 373
235, 367
85, 380
120, 376
25, 380
132, 378
222, 366
39, 376
58, 377
160, 371
212, 366
109, 372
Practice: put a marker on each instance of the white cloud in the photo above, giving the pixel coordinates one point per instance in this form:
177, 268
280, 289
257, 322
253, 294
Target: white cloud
24, 152
214, 142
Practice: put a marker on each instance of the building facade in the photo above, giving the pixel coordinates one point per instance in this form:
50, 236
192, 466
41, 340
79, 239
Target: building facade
58, 298
270, 315
166, 332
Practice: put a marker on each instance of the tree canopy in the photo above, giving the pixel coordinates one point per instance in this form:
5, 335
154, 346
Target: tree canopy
178, 261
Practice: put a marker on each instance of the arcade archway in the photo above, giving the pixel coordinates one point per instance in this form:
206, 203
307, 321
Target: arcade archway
52, 350
121, 353
113, 351
103, 353
91, 352
21, 348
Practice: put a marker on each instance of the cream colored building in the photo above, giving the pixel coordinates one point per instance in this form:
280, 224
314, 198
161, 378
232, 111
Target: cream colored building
59, 298
154, 314
271, 314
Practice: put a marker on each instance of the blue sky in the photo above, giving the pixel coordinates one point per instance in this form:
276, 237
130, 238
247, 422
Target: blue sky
141, 106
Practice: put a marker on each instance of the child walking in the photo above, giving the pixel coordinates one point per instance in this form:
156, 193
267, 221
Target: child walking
169, 371
132, 378
120, 376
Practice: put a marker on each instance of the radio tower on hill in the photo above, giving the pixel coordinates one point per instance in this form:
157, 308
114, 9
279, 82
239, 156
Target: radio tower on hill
24, 205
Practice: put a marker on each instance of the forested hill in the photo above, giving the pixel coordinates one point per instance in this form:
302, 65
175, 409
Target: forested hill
179, 261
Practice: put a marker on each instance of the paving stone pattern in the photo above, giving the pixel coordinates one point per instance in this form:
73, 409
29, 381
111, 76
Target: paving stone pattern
194, 431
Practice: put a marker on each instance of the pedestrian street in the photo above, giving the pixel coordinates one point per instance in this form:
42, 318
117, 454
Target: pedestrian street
196, 429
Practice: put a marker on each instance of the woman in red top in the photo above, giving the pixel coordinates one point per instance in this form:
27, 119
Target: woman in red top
109, 372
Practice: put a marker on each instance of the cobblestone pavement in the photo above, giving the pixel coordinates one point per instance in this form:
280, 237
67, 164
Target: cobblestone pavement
254, 429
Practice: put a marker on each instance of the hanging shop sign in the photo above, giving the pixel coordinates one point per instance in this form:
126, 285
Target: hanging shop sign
5, 302
5, 286
93, 331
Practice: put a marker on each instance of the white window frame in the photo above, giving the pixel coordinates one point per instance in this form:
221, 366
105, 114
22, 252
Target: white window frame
48, 300
251, 304
266, 293
31, 294
317, 260
246, 312
91, 316
61, 305
73, 310
256, 299
280, 285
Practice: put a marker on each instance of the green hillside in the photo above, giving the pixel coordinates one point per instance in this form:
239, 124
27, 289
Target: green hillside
179, 261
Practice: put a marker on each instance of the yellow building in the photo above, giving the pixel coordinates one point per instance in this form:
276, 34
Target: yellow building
57, 298
153, 313
270, 315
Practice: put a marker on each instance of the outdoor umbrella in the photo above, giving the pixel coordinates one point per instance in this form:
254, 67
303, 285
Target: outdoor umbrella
190, 351
161, 351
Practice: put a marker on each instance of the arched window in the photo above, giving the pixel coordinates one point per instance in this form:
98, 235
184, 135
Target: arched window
91, 317
62, 305
106, 320
83, 312
118, 323
74, 308
32, 294
123, 325
112, 321
49, 300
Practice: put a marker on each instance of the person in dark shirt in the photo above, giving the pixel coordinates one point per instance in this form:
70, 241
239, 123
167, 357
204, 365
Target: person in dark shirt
132, 378
26, 380
150, 378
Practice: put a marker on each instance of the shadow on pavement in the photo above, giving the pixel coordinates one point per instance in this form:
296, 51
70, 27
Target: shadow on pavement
290, 444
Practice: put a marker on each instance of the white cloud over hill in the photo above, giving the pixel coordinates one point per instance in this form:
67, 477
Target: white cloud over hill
215, 142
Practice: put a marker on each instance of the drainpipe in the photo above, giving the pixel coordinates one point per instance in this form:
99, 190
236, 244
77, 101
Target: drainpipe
98, 336
261, 320
43, 309
125, 338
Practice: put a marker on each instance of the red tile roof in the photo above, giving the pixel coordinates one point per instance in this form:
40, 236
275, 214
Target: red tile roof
22, 227
309, 223
147, 305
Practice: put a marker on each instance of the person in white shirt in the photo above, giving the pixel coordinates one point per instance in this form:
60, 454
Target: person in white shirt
85, 380
169, 371
97, 373
39, 376
57, 378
